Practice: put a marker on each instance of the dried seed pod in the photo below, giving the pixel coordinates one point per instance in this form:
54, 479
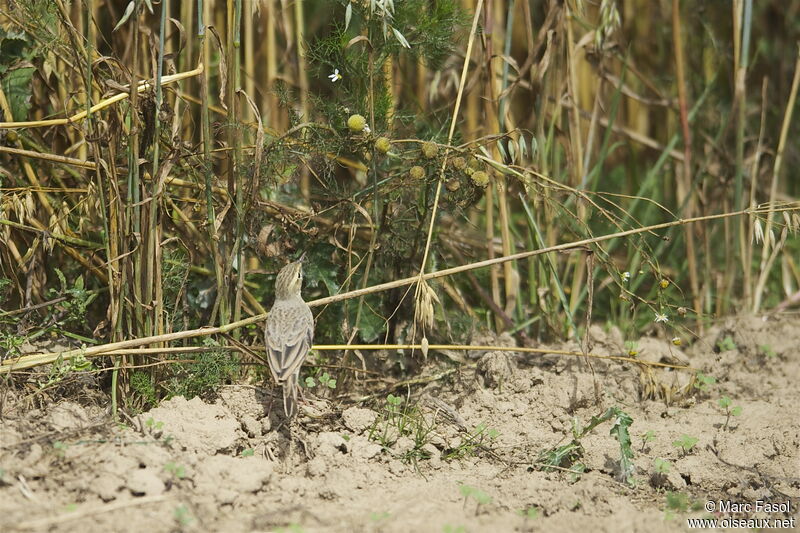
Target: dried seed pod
417, 172
480, 178
430, 149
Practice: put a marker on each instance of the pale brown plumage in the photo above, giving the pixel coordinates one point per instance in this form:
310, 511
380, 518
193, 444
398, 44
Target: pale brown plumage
289, 333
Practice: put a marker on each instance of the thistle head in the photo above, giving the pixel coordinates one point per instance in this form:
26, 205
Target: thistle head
290, 280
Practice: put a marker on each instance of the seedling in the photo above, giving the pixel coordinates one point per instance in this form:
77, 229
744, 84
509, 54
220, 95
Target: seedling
702, 381
661, 466
175, 469
531, 512
325, 380
730, 411
60, 447
680, 503
767, 350
475, 440
182, 516
685, 443
568, 455
650, 436
249, 452
480, 497
400, 419
726, 344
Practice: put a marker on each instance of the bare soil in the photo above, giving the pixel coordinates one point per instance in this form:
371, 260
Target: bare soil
229, 464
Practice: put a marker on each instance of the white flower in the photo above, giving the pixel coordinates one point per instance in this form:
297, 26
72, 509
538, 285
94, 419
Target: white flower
335, 76
366, 129
626, 276
661, 318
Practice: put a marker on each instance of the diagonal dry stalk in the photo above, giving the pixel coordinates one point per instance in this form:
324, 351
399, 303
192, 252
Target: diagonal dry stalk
46, 358
419, 292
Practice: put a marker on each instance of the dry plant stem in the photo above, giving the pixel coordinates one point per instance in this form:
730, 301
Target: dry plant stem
767, 258
49, 157
343, 347
15, 364
464, 70
749, 250
685, 181
41, 524
142, 87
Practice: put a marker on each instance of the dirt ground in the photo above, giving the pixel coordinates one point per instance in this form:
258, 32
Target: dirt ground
228, 464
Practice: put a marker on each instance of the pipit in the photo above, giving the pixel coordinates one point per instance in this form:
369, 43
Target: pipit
289, 333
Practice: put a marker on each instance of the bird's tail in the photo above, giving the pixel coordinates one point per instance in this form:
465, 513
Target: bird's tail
290, 396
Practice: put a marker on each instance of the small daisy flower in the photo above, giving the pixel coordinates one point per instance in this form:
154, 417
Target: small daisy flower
661, 318
626, 277
335, 76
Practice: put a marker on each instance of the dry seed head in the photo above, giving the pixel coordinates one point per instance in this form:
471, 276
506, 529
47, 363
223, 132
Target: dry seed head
758, 232
356, 122
453, 185
417, 172
424, 347
459, 163
426, 297
430, 149
480, 178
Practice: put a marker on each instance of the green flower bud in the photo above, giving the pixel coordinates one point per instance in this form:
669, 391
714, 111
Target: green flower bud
382, 144
356, 122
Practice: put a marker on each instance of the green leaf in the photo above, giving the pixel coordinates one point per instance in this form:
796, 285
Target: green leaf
620, 431
126, 16
17, 86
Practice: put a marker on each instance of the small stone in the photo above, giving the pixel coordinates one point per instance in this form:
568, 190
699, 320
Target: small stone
403, 446
330, 444
251, 426
317, 467
435, 456
358, 419
496, 368
145, 482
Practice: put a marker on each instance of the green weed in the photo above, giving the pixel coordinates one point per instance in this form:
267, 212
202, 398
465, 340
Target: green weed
685, 443
568, 455
730, 410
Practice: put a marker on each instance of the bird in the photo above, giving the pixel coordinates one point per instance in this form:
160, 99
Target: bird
289, 333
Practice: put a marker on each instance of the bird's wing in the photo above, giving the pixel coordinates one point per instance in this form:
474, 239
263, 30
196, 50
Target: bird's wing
289, 334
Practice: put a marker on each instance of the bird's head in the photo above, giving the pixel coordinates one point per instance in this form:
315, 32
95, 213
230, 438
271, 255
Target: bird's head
290, 280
